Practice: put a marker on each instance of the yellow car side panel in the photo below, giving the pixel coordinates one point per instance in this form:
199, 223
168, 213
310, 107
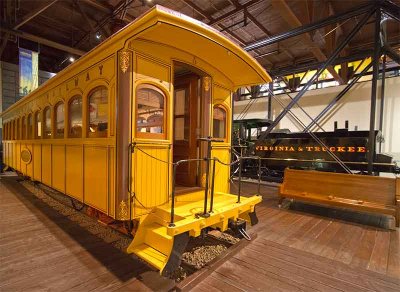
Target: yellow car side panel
74, 171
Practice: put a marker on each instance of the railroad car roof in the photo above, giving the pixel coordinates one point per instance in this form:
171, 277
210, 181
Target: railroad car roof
177, 30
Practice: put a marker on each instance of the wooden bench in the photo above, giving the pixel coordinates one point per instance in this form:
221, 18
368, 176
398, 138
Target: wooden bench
371, 194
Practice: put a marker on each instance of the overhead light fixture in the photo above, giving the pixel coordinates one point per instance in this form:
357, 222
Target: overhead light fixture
71, 59
98, 35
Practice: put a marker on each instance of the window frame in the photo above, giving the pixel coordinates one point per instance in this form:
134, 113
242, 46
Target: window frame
96, 134
69, 135
145, 135
35, 122
223, 107
44, 111
54, 121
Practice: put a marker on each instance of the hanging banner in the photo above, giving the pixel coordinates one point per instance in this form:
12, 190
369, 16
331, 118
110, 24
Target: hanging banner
28, 71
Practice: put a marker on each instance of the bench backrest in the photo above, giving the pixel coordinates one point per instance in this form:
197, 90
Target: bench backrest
357, 187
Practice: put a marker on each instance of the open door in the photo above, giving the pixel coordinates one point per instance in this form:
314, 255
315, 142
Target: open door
186, 104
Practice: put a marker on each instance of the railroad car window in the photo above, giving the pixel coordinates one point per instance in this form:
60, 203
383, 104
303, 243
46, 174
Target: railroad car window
98, 112
150, 112
23, 132
219, 122
59, 120
47, 123
29, 127
38, 125
75, 117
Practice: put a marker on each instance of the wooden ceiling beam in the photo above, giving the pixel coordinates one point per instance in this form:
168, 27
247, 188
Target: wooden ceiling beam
33, 14
288, 15
210, 19
266, 31
233, 12
24, 20
99, 6
85, 17
198, 9
330, 31
43, 41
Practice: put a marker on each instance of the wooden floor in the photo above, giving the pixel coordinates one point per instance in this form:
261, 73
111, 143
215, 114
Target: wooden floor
42, 250
297, 249
302, 248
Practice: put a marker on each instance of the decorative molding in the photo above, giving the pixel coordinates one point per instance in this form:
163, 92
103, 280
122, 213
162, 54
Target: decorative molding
123, 211
26, 156
207, 82
124, 60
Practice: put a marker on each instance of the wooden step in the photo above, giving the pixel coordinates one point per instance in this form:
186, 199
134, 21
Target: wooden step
157, 237
151, 256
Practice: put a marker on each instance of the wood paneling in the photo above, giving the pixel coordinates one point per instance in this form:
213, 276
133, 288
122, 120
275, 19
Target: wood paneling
150, 179
222, 172
342, 190
146, 67
58, 167
37, 162
29, 166
96, 177
74, 171
46, 164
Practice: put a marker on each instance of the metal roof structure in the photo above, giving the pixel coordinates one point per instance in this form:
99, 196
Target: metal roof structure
60, 29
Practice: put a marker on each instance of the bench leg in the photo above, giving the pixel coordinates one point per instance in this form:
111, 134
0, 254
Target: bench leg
397, 217
281, 199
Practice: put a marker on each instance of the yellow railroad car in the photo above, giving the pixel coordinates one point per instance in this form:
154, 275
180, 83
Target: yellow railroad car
121, 130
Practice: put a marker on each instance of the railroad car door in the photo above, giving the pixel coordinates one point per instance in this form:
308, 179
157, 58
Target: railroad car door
186, 101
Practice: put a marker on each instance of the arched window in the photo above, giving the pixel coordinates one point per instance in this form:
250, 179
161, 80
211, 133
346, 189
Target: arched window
150, 112
59, 120
47, 123
98, 112
75, 117
23, 132
219, 122
29, 126
38, 125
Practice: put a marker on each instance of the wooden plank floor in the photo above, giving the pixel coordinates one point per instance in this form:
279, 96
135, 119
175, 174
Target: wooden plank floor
42, 250
298, 249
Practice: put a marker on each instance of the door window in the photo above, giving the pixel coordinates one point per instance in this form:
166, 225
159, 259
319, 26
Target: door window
150, 112
219, 122
181, 125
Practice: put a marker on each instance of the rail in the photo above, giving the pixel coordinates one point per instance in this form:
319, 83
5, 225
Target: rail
207, 159
209, 171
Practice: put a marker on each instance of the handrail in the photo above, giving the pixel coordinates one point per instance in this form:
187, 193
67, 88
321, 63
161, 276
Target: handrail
207, 159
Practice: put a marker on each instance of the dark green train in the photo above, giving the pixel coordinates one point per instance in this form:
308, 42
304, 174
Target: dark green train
283, 149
